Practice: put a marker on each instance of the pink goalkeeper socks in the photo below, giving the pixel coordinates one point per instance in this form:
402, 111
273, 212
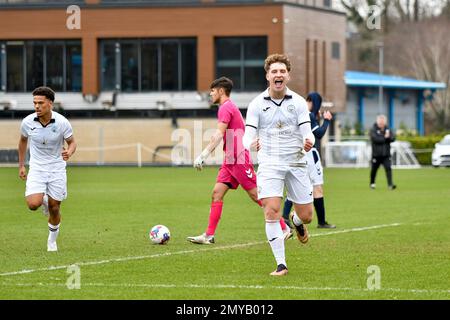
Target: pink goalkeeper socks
214, 217
283, 224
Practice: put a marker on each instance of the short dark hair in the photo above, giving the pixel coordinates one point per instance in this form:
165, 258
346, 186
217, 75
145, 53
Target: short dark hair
46, 92
223, 82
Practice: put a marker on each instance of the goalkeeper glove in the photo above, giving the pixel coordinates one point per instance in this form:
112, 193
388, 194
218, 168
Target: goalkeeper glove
198, 163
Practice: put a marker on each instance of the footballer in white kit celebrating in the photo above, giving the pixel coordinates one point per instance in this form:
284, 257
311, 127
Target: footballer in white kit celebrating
46, 181
279, 119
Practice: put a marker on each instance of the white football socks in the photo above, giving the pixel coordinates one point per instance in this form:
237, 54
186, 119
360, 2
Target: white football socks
45, 209
276, 241
53, 232
297, 220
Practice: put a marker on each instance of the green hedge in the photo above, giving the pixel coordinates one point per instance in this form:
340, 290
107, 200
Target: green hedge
422, 142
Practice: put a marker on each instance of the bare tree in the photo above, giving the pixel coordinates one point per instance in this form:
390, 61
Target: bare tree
422, 50
416, 41
392, 11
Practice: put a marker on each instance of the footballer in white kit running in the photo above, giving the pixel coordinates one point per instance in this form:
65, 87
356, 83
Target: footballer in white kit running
46, 181
280, 159
279, 119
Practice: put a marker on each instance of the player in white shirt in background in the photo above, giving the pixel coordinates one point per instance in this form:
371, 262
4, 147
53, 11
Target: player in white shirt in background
46, 182
278, 119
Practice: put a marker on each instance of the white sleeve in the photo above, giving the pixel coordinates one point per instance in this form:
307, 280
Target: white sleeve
23, 129
249, 137
305, 131
67, 130
251, 125
303, 114
252, 119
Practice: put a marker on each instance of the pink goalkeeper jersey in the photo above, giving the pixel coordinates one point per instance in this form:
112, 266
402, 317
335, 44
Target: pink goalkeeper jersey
230, 114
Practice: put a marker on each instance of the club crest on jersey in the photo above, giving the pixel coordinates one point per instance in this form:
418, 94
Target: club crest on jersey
291, 108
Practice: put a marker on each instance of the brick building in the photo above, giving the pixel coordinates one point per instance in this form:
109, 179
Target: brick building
155, 53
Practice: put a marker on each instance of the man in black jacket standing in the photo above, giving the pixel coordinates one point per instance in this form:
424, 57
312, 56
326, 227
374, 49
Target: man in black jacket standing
381, 138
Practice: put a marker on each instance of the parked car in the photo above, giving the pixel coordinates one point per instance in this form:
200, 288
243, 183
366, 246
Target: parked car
441, 153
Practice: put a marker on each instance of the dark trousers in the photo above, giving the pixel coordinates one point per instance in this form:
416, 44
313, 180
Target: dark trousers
376, 162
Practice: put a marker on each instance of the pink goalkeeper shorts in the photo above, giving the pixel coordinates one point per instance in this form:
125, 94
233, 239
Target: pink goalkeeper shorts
234, 175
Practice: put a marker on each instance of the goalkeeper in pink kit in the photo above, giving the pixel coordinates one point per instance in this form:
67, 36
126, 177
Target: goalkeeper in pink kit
237, 168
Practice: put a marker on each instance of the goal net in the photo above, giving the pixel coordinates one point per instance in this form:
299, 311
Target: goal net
357, 154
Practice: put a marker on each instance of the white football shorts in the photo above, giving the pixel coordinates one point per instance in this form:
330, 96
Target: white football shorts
271, 181
54, 184
315, 169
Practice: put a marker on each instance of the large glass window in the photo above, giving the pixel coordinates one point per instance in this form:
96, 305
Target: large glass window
15, 67
73, 67
129, 66
30, 64
35, 65
149, 69
189, 63
169, 64
242, 60
255, 52
55, 66
149, 64
108, 61
2, 66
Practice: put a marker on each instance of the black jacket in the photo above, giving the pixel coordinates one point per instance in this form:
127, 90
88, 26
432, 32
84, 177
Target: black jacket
381, 146
317, 129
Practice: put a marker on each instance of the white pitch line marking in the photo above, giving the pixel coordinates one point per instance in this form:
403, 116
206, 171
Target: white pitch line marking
158, 255
356, 229
225, 286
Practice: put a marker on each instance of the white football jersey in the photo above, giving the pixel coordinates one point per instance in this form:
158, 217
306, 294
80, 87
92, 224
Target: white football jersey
46, 143
278, 127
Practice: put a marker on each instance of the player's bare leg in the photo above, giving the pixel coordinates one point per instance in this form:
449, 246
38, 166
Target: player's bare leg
318, 191
301, 216
219, 191
319, 205
272, 214
54, 220
34, 201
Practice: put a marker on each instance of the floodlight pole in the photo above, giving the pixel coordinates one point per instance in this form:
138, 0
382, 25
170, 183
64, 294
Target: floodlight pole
380, 71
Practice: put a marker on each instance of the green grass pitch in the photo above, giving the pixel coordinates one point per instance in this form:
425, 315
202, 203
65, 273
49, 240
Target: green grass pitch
109, 211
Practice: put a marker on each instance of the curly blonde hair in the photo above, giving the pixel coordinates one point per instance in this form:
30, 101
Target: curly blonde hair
277, 57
